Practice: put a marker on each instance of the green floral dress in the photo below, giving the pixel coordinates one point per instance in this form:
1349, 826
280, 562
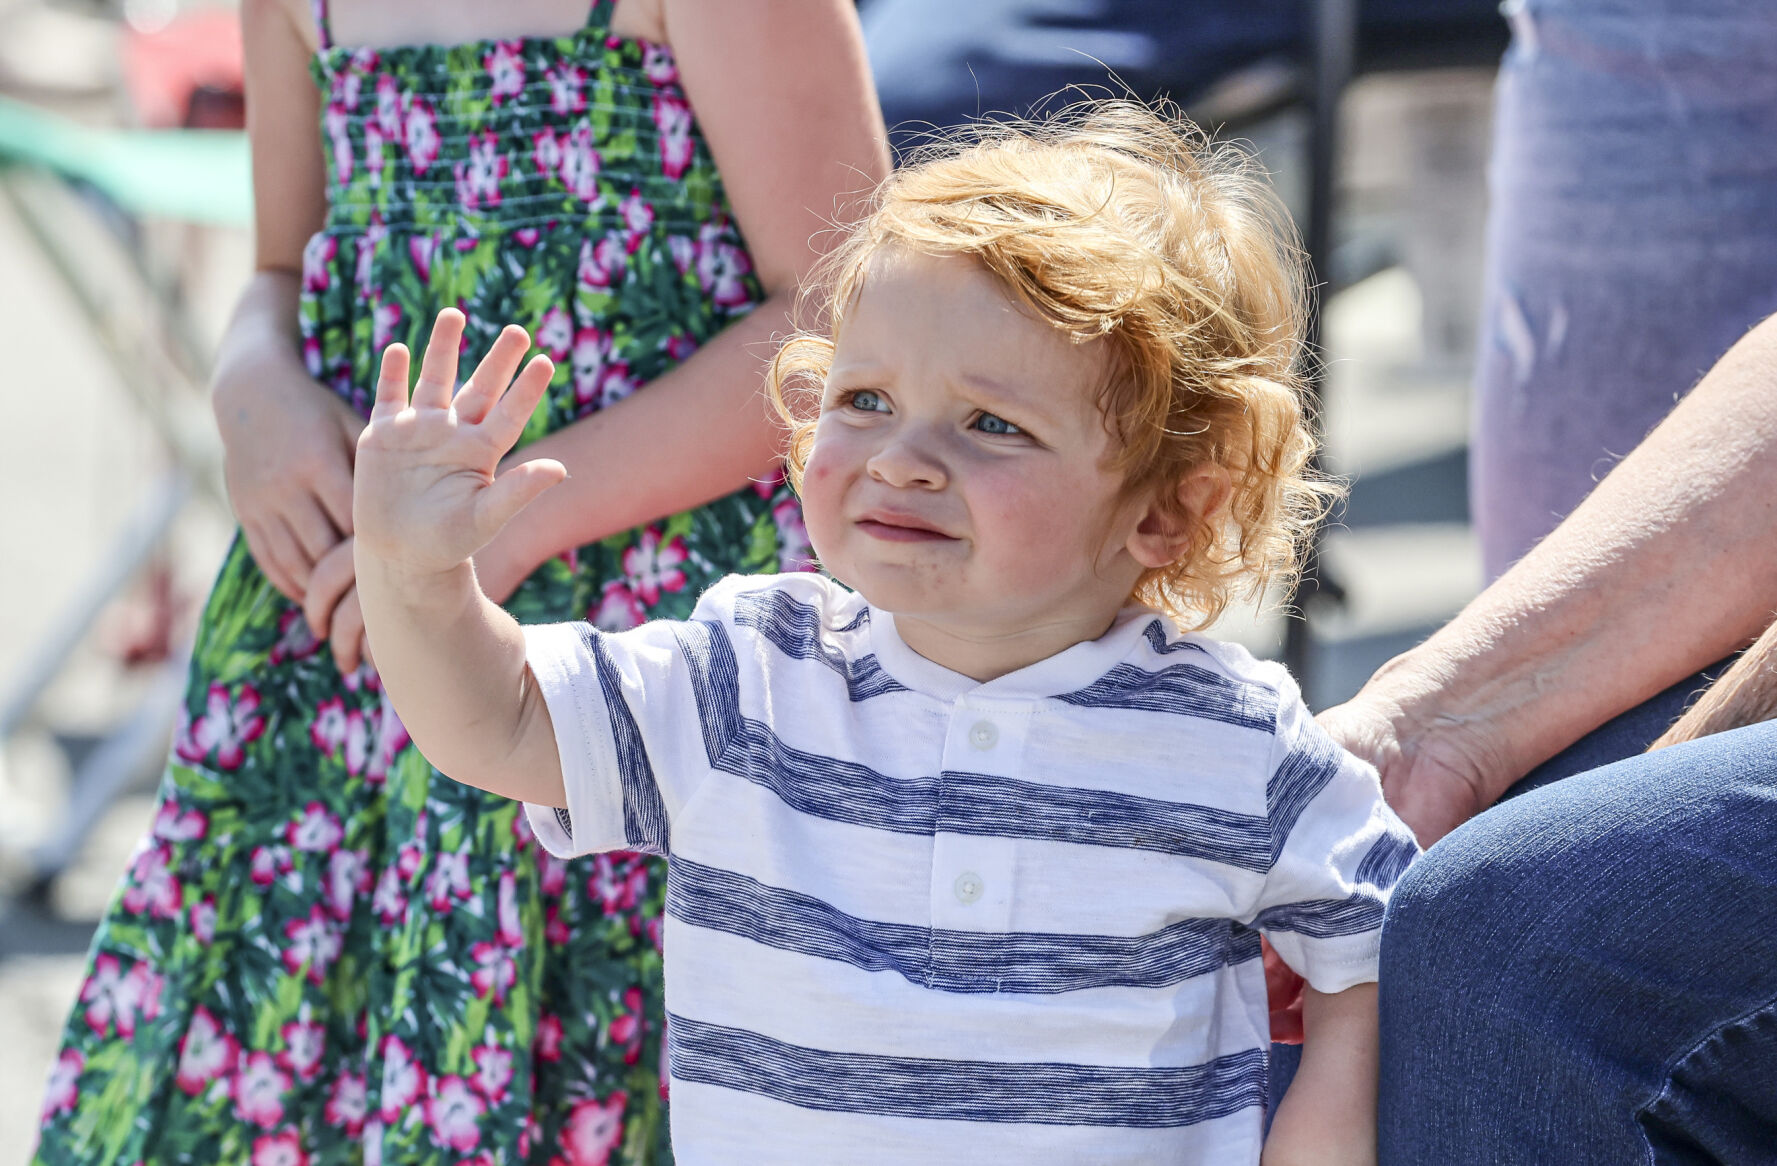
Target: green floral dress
324, 951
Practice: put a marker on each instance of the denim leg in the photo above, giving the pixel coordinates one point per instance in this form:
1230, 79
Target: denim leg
1632, 238
1587, 974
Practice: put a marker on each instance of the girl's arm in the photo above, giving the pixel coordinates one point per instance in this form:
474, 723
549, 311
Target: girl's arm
287, 441
1328, 1116
783, 93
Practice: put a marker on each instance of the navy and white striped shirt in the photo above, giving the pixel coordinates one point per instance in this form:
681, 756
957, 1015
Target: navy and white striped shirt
916, 918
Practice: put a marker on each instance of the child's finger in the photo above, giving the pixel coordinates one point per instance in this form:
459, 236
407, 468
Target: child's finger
513, 490
391, 382
506, 420
438, 371
493, 374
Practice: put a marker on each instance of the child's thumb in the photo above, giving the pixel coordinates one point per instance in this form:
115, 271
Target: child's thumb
515, 489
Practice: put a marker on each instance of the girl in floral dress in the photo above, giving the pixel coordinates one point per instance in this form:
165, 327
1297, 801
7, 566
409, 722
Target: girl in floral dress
323, 952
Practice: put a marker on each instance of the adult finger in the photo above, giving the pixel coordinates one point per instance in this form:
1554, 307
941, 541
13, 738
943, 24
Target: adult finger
391, 382
513, 490
333, 487
333, 576
438, 371
314, 531
259, 547
283, 550
347, 634
507, 419
493, 374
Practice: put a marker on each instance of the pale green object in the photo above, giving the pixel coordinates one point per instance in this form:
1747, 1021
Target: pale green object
198, 176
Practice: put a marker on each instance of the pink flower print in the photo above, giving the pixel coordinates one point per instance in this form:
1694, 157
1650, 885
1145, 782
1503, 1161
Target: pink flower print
318, 829
388, 108
566, 89
114, 998
64, 1084
657, 62
348, 876
593, 1130
304, 1041
672, 117
152, 887
347, 1104
369, 243
618, 609
317, 256
555, 929
546, 152
454, 1113
552, 874
505, 71
493, 1072
420, 249
383, 318
295, 640
684, 252
314, 944
615, 382
511, 934
421, 135
522, 834
794, 551
374, 157
652, 928
205, 1053
174, 826
638, 216
618, 882
389, 902
283, 1148
391, 739
527, 236
351, 84
601, 263
580, 164
333, 123
267, 863
722, 267
407, 859
450, 879
328, 730
311, 355
652, 568
679, 346
259, 1090
403, 1079
496, 970
591, 346
203, 920
478, 180
225, 728
548, 1046
555, 334
626, 1029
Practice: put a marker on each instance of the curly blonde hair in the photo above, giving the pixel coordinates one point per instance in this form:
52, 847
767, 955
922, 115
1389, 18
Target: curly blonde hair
1112, 220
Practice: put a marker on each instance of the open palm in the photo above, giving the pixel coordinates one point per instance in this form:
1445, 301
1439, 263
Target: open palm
426, 493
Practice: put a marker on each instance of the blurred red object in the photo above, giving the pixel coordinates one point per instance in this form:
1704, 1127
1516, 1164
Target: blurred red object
1283, 988
187, 73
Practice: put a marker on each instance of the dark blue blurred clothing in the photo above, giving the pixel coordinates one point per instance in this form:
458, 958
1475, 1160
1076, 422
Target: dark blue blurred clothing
944, 61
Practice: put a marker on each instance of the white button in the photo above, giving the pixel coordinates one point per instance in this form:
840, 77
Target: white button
969, 887
983, 735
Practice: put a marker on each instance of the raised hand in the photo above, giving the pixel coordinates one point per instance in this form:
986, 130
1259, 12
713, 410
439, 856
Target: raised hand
427, 492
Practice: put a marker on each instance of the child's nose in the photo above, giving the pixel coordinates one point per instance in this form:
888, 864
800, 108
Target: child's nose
909, 460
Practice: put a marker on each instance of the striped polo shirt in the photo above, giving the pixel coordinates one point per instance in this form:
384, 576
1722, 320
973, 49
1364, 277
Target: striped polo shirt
912, 917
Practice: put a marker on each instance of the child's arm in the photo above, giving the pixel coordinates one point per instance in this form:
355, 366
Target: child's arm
426, 498
1328, 1116
783, 94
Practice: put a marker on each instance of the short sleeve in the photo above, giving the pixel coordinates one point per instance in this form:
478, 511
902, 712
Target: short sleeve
1336, 852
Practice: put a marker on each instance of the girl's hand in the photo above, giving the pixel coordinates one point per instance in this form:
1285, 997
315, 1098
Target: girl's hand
426, 492
287, 445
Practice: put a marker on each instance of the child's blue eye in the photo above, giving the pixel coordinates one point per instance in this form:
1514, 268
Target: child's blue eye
998, 426
868, 401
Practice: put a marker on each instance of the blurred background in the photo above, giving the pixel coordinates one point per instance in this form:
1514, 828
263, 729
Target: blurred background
124, 238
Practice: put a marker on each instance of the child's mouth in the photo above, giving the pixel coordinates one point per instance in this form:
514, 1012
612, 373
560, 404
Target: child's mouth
900, 530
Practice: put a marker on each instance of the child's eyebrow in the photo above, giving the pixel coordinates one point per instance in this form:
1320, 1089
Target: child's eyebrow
1005, 394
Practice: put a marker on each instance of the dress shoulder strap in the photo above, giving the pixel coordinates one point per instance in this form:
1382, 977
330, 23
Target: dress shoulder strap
323, 34
599, 17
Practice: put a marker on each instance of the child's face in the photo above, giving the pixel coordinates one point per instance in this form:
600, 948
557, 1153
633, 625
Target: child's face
958, 472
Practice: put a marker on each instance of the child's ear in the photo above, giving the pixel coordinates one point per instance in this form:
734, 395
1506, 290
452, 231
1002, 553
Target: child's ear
1163, 535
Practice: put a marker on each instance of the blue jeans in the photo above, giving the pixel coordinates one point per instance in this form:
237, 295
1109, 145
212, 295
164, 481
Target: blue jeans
1587, 973
1632, 238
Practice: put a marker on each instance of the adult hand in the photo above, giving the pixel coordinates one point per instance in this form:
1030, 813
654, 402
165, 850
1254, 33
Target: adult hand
1435, 776
287, 445
331, 608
